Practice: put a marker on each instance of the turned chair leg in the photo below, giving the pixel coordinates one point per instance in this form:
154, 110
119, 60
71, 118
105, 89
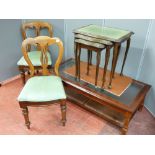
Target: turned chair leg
26, 117
22, 73
63, 112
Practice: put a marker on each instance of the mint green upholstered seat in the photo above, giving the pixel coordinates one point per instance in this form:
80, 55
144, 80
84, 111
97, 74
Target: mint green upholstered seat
35, 59
42, 89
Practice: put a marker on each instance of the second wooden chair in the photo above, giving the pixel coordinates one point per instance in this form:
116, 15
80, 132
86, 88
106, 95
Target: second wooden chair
34, 55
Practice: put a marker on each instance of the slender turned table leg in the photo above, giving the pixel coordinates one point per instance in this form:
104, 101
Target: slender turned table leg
89, 61
98, 58
125, 56
63, 112
91, 52
76, 63
26, 117
78, 60
119, 47
115, 52
106, 64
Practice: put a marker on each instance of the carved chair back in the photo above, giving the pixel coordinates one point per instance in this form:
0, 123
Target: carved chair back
43, 42
37, 26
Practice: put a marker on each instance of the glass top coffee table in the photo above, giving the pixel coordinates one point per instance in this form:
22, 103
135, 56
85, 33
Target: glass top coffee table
118, 110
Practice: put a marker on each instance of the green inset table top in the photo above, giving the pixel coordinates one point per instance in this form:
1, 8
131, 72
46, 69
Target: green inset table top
107, 33
89, 43
91, 39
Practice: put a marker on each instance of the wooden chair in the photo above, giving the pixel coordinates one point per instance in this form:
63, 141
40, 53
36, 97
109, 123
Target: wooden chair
34, 55
45, 89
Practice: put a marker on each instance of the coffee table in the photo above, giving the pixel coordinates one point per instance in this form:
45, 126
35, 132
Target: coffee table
118, 110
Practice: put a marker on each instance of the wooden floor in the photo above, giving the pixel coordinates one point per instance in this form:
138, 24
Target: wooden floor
46, 120
119, 83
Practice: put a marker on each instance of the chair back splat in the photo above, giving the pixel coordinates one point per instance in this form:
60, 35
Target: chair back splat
43, 42
37, 26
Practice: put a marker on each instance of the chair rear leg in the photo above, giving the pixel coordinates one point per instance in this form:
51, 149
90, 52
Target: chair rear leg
26, 117
63, 112
22, 73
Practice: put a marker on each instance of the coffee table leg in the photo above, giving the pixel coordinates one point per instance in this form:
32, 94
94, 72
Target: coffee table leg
116, 46
124, 129
98, 58
125, 56
106, 64
141, 105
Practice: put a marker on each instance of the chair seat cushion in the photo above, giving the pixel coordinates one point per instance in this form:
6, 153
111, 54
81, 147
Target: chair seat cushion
42, 89
35, 59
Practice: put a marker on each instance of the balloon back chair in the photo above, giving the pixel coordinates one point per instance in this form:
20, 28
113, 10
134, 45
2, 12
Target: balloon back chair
45, 89
34, 55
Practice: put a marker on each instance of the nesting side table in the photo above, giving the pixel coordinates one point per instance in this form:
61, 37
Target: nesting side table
91, 46
98, 34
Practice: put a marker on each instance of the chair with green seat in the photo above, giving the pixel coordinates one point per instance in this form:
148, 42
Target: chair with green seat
34, 55
45, 89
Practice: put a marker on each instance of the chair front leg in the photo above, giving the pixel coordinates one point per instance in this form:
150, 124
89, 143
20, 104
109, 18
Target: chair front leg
63, 112
26, 117
22, 73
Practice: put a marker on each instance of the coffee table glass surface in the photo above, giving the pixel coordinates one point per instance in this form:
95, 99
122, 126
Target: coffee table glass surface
126, 98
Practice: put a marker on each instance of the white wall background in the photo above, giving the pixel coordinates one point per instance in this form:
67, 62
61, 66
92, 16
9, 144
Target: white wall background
10, 47
147, 69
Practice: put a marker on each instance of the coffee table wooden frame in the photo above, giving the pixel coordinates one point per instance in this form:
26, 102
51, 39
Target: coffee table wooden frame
85, 97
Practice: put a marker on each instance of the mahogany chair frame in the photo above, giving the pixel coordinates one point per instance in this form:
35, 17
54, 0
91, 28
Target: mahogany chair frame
43, 42
37, 26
